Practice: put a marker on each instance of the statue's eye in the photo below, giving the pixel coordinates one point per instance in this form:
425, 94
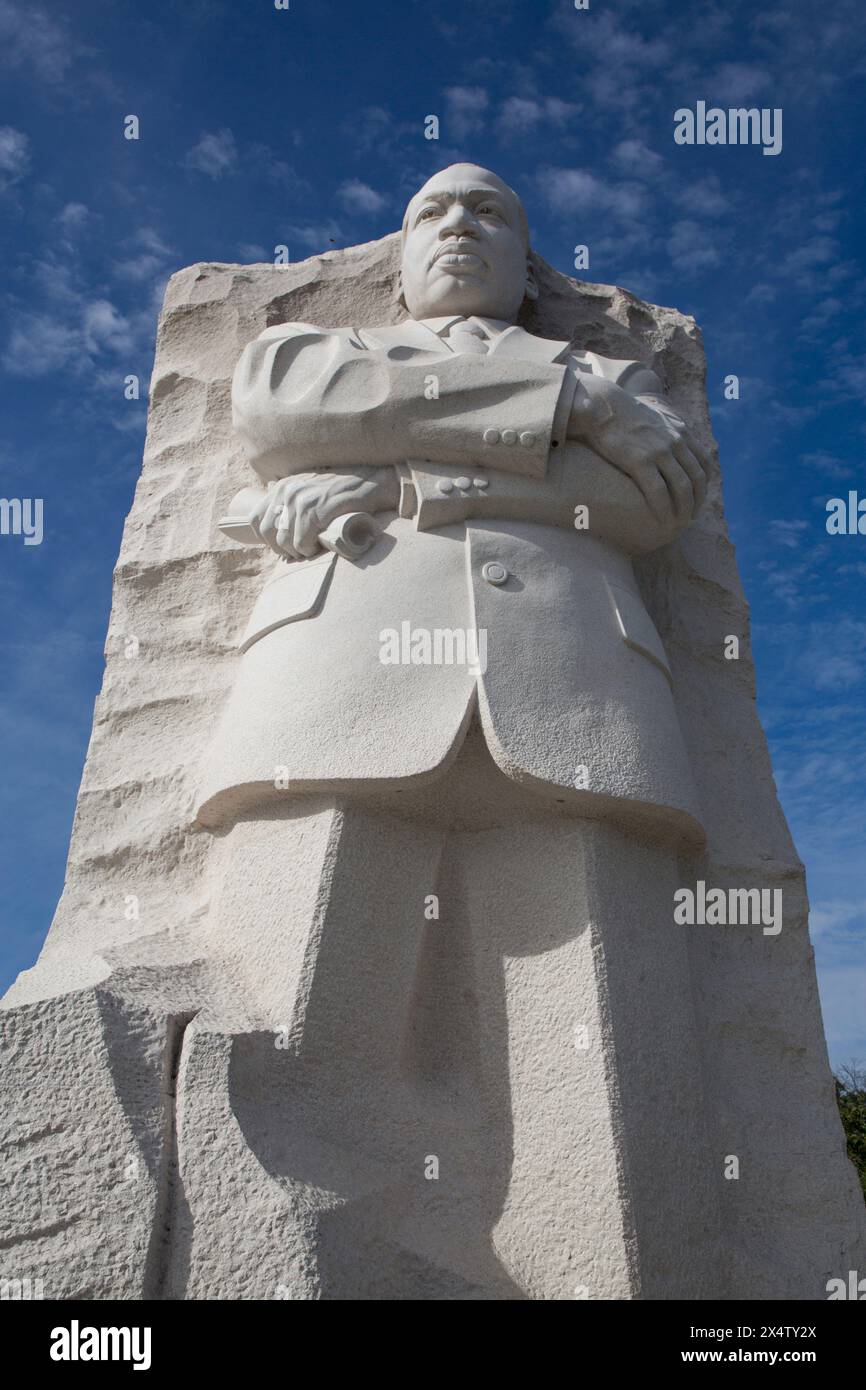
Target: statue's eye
427, 212
487, 210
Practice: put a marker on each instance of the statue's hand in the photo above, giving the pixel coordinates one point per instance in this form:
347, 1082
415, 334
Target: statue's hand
295, 510
655, 452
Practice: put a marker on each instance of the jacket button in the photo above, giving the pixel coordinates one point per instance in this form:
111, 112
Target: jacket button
509, 436
445, 485
491, 436
494, 573
462, 483
481, 483
527, 439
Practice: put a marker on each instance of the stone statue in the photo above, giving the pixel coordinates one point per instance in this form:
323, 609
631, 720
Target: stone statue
403, 1008
516, 476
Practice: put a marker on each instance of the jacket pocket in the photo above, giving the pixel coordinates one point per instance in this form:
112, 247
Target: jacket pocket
636, 627
296, 590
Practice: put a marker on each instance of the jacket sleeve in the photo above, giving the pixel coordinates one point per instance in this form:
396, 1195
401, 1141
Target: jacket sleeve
640, 382
581, 491
577, 478
306, 398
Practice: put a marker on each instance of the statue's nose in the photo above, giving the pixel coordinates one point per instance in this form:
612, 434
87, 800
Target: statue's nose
458, 221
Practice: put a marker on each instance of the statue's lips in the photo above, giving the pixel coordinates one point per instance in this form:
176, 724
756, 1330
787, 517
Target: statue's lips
458, 259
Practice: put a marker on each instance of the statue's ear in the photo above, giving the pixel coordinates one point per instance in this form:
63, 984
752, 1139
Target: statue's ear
400, 297
531, 288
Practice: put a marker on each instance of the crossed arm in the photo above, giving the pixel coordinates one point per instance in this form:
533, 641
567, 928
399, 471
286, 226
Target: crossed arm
335, 417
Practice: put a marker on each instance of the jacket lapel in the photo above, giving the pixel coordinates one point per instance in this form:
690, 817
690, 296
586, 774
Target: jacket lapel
513, 342
409, 333
516, 342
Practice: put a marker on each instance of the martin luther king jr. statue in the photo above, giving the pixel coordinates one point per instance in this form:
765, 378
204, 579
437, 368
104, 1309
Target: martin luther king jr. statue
511, 476
489, 901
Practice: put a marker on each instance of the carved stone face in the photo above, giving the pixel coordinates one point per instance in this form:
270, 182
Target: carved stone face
465, 247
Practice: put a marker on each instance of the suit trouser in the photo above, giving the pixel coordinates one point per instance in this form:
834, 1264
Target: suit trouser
470, 1070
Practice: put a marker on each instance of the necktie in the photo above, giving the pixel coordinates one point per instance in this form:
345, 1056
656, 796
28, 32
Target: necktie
467, 336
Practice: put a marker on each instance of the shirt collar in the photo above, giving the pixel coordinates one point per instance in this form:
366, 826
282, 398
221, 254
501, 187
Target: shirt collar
492, 327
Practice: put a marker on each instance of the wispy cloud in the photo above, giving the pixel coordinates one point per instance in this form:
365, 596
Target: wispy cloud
822, 461
465, 109
788, 533
215, 154
520, 116
579, 191
14, 156
146, 256
360, 197
634, 157
315, 236
34, 40
690, 247
73, 217
737, 82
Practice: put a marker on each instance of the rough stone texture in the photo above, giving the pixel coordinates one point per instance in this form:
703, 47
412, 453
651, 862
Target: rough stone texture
133, 1065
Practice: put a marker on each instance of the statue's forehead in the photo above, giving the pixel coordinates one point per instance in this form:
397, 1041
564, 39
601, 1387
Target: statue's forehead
452, 184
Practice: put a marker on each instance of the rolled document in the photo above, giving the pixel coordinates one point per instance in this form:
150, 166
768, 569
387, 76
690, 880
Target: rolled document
350, 536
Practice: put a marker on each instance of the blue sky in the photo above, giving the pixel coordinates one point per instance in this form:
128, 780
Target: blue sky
306, 127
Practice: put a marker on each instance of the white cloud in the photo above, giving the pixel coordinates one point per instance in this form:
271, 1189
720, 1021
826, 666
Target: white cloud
576, 191
736, 82
559, 112
828, 463
814, 252
31, 39
319, 236
263, 162
522, 115
609, 39
837, 673
371, 128
14, 155
215, 154
843, 991
689, 248
151, 240
465, 110
218, 154
41, 343
851, 372
828, 917
823, 312
761, 293
105, 328
788, 533
519, 115
37, 345
146, 257
360, 197
73, 216
637, 158
131, 422
620, 65
704, 197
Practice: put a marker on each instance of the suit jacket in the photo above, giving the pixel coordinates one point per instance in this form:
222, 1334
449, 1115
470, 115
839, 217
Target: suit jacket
575, 698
